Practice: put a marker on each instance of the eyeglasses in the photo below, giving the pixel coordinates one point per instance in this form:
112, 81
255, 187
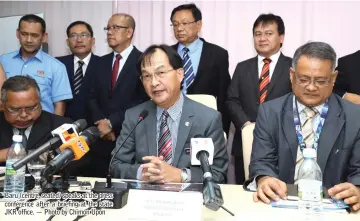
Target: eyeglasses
18, 111
184, 24
146, 78
81, 36
305, 81
115, 28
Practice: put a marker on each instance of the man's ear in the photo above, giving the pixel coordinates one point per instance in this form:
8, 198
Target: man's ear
44, 37
180, 73
334, 76
292, 72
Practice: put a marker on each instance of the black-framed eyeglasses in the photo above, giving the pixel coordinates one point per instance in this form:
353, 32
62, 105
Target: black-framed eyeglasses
115, 28
17, 111
81, 36
146, 78
184, 24
318, 82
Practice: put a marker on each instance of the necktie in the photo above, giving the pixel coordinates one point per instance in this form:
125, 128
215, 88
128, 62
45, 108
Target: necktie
24, 138
188, 70
165, 141
264, 79
308, 136
115, 71
78, 77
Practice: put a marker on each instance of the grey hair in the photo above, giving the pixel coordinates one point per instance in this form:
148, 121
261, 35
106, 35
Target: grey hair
318, 50
18, 83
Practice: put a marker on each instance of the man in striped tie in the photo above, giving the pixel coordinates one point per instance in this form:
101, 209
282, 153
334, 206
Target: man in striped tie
310, 117
80, 66
159, 148
256, 80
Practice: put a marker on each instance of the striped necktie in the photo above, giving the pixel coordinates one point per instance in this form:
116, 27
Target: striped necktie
264, 79
165, 141
78, 77
188, 70
24, 138
308, 136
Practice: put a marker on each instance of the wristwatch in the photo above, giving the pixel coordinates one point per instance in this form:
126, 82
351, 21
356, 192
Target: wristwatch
184, 176
110, 126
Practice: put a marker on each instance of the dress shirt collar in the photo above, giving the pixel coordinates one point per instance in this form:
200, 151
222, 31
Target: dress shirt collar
38, 55
174, 111
274, 58
193, 46
125, 53
86, 60
301, 107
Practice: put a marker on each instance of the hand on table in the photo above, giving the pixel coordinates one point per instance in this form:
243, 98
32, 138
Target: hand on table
269, 188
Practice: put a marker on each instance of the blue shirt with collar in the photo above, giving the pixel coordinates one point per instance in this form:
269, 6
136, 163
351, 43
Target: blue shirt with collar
49, 73
195, 49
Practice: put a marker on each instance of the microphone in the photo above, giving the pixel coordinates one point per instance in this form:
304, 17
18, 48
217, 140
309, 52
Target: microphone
61, 134
202, 153
118, 190
141, 117
74, 149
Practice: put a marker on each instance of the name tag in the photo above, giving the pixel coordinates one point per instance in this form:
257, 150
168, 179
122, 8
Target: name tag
164, 205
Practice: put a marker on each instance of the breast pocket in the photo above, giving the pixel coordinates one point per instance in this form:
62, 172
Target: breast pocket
44, 85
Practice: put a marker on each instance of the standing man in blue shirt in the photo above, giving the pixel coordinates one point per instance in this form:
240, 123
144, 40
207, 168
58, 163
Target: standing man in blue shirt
206, 65
49, 73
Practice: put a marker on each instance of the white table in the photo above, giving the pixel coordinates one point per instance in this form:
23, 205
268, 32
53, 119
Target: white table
236, 200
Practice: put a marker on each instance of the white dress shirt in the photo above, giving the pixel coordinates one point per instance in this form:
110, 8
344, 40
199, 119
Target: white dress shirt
86, 61
274, 59
124, 56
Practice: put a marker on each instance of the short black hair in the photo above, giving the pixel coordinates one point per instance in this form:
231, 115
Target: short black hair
174, 58
269, 19
195, 11
18, 83
34, 19
87, 25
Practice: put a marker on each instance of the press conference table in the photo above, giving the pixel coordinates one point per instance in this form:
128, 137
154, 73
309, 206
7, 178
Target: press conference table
236, 200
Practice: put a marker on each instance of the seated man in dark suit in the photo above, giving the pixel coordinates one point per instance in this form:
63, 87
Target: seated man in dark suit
23, 114
325, 121
158, 149
347, 84
80, 66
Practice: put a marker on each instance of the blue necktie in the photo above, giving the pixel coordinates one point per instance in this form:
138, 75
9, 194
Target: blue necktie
188, 70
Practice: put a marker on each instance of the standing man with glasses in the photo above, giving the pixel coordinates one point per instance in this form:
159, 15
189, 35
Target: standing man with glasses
49, 73
256, 80
80, 66
310, 117
23, 115
159, 148
206, 65
115, 88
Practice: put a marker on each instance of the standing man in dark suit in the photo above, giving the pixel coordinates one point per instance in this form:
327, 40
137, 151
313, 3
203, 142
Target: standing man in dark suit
115, 88
206, 65
80, 66
257, 80
347, 84
158, 149
325, 122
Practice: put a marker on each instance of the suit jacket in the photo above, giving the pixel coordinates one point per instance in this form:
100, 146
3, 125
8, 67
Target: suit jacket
40, 132
195, 119
244, 94
128, 92
275, 142
349, 75
213, 77
77, 108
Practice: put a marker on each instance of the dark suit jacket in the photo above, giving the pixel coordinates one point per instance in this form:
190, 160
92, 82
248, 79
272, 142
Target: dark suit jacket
275, 143
349, 75
77, 108
196, 119
213, 77
40, 132
244, 93
128, 91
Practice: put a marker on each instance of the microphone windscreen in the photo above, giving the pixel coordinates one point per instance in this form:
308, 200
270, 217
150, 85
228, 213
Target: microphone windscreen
91, 134
80, 125
143, 114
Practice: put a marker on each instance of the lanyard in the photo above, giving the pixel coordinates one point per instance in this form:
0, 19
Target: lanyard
297, 123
